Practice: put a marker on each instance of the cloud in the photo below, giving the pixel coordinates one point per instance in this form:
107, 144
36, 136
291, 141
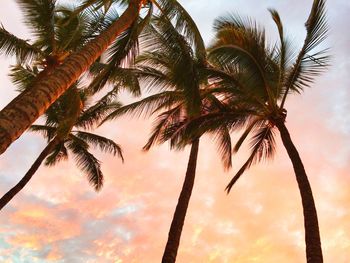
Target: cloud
59, 218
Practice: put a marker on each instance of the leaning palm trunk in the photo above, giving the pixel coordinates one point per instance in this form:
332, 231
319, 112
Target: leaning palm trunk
177, 223
21, 112
312, 233
22, 183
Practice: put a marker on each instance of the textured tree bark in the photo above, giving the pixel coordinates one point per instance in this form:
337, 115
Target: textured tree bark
177, 223
22, 183
312, 232
22, 111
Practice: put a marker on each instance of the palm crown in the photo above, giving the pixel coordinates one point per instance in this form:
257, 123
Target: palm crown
257, 78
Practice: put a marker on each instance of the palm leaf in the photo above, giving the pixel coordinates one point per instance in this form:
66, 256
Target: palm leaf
162, 123
10, 45
104, 144
241, 41
122, 53
147, 105
184, 24
23, 76
39, 16
59, 153
86, 161
262, 147
224, 146
48, 132
308, 64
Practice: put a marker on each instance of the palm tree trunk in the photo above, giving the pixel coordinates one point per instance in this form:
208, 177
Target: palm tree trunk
22, 183
177, 223
22, 111
312, 232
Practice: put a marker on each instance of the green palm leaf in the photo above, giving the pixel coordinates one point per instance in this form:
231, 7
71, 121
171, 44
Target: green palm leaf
262, 147
59, 153
10, 45
105, 145
86, 161
39, 16
309, 63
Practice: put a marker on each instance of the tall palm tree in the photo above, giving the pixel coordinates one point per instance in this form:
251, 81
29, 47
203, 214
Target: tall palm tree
67, 112
63, 131
257, 79
175, 66
22, 111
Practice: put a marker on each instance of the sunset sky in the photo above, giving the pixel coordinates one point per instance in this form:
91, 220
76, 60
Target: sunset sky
59, 218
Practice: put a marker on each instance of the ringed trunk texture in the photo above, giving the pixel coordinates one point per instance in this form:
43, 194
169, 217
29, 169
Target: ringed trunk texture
22, 183
170, 252
22, 111
312, 233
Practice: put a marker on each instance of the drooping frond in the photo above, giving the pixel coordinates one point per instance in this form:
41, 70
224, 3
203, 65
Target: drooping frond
10, 45
59, 153
86, 161
224, 145
309, 63
103, 143
39, 16
262, 147
161, 124
253, 124
48, 132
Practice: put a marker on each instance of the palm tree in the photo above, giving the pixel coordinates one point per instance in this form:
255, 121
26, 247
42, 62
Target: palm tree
256, 80
63, 131
66, 112
22, 111
175, 66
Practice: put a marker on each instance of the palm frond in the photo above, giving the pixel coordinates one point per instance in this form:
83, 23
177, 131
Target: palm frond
86, 161
23, 76
95, 114
48, 132
59, 153
119, 78
176, 54
224, 145
122, 53
147, 105
184, 24
309, 63
10, 45
154, 79
241, 41
161, 124
262, 147
103, 143
253, 124
39, 16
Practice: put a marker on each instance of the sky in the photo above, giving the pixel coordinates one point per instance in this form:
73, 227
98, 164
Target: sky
59, 218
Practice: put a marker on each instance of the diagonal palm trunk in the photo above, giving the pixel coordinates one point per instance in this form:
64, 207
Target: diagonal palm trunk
21, 112
312, 232
177, 223
22, 183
